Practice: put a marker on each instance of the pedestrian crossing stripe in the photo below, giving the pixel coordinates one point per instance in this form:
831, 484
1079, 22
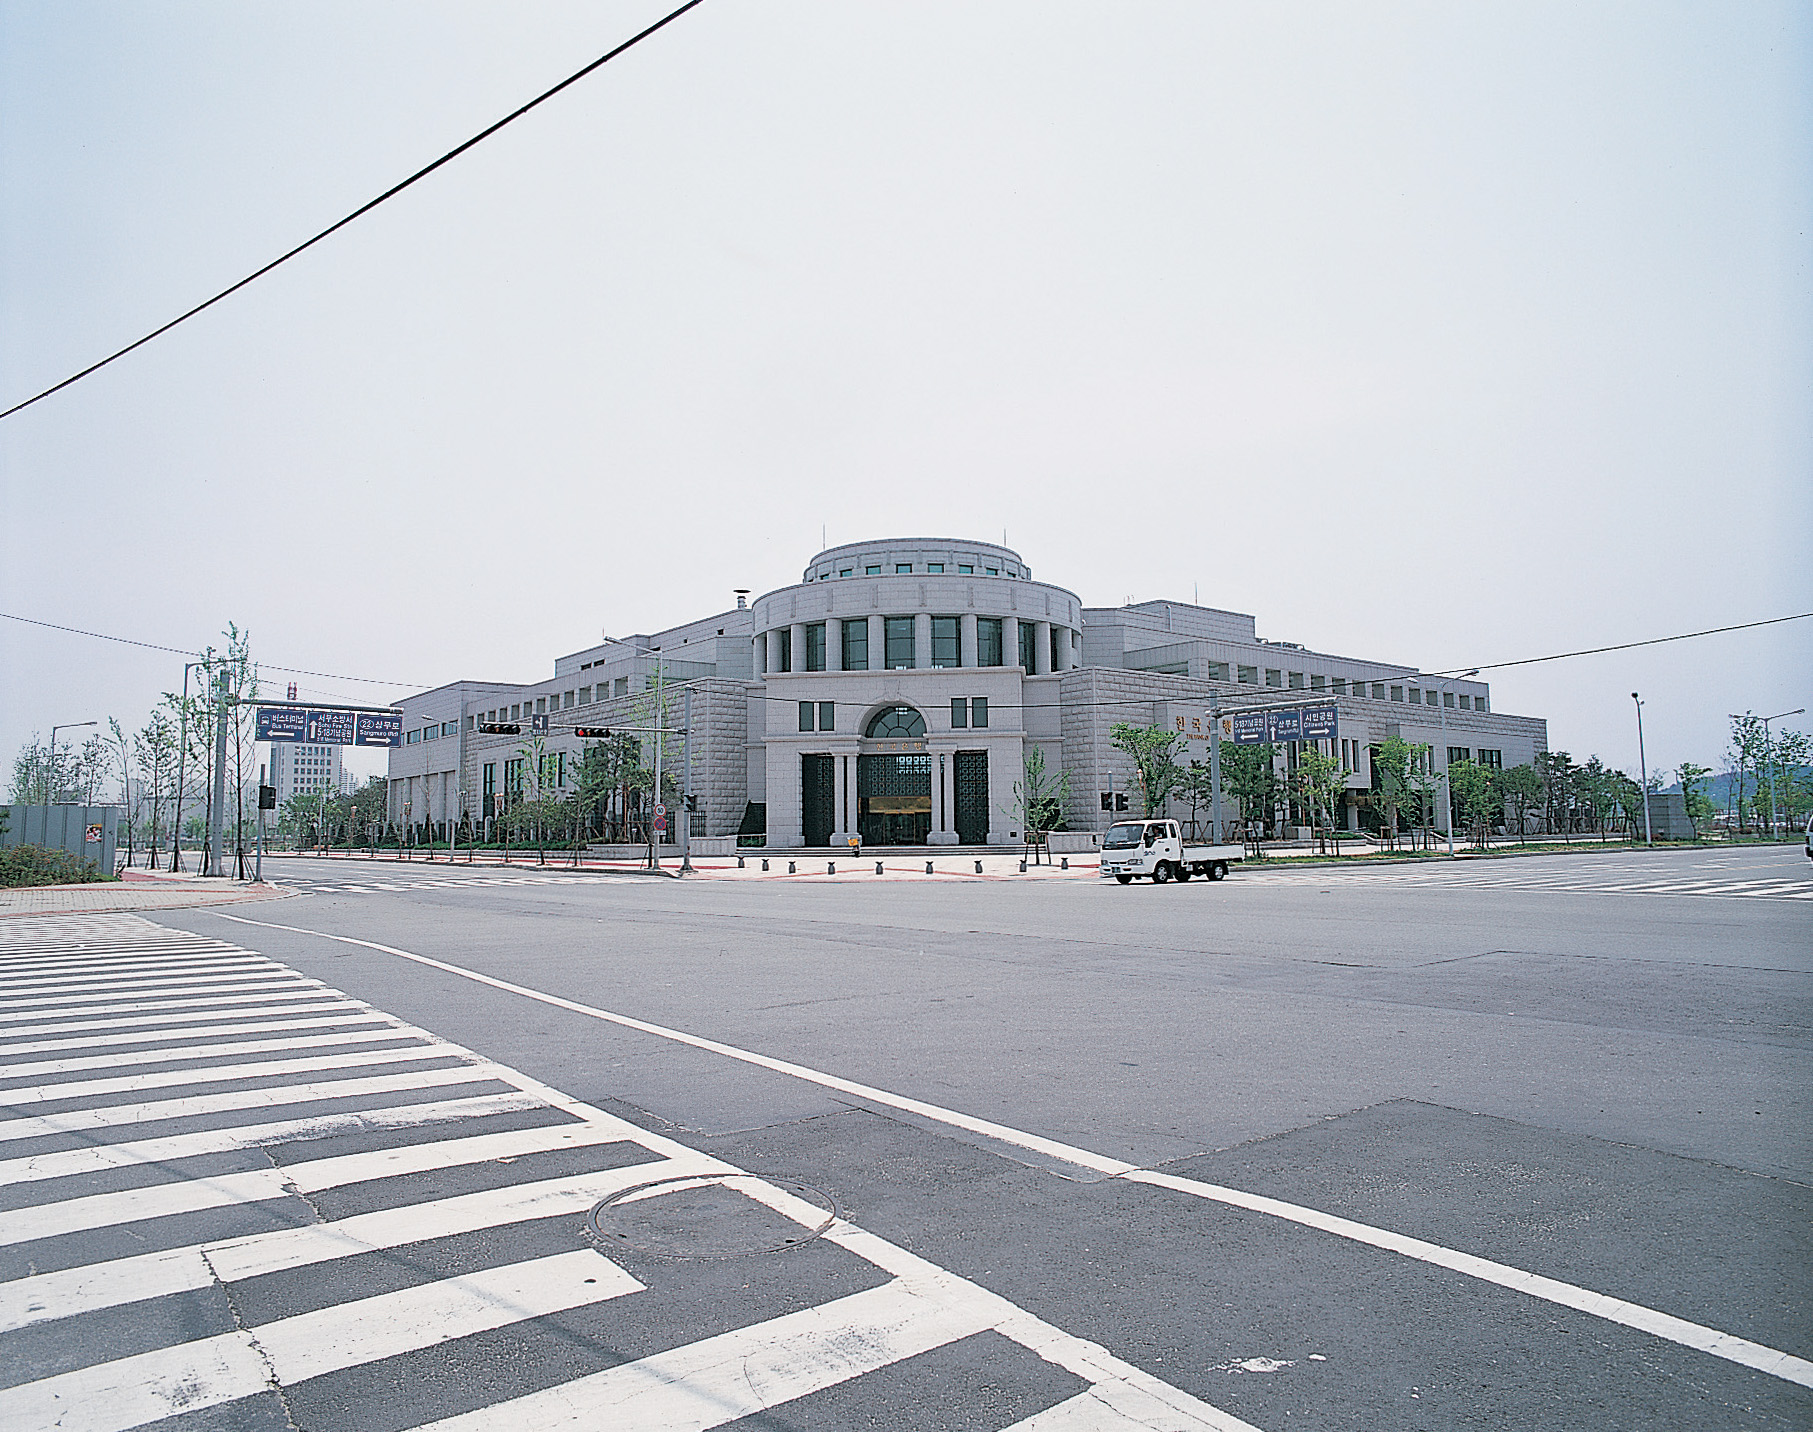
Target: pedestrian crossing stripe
1600, 882
111, 1052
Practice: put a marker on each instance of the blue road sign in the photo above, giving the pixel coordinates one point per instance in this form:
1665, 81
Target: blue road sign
1248, 728
330, 728
278, 723
378, 728
1321, 723
1284, 725
538, 725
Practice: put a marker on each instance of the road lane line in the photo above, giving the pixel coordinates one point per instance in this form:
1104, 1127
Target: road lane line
1663, 1325
133, 1391
94, 1158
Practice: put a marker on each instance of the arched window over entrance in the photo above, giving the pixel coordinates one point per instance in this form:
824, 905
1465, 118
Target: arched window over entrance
894, 723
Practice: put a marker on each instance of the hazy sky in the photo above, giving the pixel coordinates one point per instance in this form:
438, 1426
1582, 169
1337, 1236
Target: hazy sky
1442, 334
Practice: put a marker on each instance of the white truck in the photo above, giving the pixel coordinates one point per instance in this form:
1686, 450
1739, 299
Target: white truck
1155, 849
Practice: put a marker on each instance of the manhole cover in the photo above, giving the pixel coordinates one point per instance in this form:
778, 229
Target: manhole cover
709, 1217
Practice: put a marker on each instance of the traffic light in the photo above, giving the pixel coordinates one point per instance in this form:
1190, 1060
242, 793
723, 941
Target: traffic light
692, 804
592, 733
1120, 800
498, 728
1107, 801
267, 798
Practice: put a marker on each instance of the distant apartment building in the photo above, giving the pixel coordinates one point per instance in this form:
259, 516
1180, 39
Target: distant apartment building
304, 770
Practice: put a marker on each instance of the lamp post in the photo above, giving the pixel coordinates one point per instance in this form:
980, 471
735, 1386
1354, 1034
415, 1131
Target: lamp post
1447, 789
1768, 746
50, 775
1643, 768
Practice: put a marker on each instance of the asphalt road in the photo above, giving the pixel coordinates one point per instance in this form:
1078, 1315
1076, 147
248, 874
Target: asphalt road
1045, 1154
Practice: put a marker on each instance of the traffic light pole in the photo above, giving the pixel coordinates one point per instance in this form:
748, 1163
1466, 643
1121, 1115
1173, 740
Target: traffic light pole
1215, 764
686, 783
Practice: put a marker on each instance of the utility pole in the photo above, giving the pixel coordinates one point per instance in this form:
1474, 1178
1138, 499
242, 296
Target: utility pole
1643, 767
182, 751
686, 792
217, 810
654, 836
1215, 763
258, 869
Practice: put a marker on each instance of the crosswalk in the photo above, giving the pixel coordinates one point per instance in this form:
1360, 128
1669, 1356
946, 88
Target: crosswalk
1531, 875
233, 1196
391, 885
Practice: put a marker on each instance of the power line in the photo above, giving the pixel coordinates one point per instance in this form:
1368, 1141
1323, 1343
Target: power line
1623, 646
179, 651
365, 208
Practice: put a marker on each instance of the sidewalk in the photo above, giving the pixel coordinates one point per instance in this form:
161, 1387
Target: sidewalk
139, 890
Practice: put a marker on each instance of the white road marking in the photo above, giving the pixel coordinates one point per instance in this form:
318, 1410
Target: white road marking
214, 1004
214, 1074
132, 1391
114, 1116
150, 1036
33, 1007
182, 1053
148, 1021
1662, 1325
93, 1158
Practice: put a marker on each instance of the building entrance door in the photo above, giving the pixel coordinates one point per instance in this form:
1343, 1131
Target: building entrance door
972, 797
894, 799
818, 799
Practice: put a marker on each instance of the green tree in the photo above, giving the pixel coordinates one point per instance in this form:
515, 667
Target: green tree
1421, 784
30, 783
1749, 755
1039, 796
1692, 779
1476, 792
1558, 778
1521, 787
1317, 778
1249, 774
1390, 783
154, 747
1153, 751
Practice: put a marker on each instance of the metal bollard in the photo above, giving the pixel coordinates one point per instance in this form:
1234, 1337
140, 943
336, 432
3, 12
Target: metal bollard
928, 867
878, 867
739, 862
978, 867
830, 867
764, 867
790, 868
1064, 864
1022, 867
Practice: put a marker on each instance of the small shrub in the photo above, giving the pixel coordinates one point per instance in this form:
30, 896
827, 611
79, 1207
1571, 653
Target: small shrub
34, 865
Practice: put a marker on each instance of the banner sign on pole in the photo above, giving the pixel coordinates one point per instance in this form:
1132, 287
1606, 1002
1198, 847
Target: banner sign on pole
276, 723
378, 728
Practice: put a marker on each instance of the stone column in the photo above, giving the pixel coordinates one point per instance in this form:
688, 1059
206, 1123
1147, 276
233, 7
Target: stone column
799, 646
834, 644
966, 639
1010, 641
922, 640
1041, 648
878, 643
759, 644
774, 650
1066, 656
840, 787
944, 774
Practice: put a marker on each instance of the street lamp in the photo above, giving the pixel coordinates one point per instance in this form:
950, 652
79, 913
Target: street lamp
1649, 838
1768, 746
50, 776
1447, 789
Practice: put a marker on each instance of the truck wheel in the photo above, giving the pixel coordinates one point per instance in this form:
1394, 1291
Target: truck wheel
1183, 874
1219, 870
1124, 879
1161, 872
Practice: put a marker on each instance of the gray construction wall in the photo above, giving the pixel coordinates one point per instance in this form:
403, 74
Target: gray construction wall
63, 827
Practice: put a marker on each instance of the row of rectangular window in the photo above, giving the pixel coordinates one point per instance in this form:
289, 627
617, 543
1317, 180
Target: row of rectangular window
900, 644
967, 712
1494, 759
906, 569
1339, 686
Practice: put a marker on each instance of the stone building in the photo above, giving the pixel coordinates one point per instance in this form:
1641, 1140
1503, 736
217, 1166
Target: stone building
894, 692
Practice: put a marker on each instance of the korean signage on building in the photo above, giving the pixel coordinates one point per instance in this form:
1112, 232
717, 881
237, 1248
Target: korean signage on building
1287, 723
330, 728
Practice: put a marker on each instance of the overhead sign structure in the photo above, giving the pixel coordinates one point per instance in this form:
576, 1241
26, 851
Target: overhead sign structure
1275, 724
330, 728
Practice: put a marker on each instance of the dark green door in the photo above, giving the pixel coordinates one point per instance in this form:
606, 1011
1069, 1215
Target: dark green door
972, 797
818, 799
